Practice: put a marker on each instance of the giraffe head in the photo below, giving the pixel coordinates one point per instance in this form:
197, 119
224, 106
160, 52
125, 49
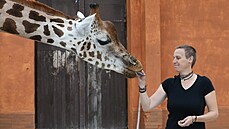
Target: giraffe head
100, 46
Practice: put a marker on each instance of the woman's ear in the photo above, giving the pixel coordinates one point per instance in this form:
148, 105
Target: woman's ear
190, 59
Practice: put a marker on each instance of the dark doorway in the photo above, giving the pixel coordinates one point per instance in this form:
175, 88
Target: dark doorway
75, 94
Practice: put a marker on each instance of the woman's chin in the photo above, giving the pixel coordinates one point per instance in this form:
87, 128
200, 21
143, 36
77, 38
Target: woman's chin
177, 70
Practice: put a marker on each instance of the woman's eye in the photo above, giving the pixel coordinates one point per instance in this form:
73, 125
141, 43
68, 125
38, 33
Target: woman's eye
104, 42
176, 57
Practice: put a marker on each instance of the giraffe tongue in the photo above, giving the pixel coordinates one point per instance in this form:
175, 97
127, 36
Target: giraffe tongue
140, 73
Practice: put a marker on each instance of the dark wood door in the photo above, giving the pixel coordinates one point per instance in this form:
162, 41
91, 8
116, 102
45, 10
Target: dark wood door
71, 93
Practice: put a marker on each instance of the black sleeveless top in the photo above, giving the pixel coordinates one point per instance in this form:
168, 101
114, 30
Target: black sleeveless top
182, 103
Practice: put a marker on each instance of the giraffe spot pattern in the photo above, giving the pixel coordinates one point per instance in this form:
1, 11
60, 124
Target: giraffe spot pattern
103, 65
80, 55
69, 28
106, 58
30, 27
2, 2
99, 56
89, 46
83, 47
94, 25
84, 54
46, 30
91, 54
35, 16
61, 25
16, 10
36, 37
9, 26
97, 63
71, 35
78, 43
57, 31
50, 41
74, 50
63, 44
57, 20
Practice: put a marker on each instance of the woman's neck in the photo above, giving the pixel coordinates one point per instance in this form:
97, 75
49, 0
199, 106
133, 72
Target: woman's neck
185, 71
186, 76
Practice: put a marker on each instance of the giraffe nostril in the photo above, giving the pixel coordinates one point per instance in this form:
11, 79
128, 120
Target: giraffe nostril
133, 60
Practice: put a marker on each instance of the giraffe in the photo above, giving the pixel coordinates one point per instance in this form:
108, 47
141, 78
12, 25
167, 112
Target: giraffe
92, 39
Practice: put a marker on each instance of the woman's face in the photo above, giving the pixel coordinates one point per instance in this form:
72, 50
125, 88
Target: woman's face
180, 62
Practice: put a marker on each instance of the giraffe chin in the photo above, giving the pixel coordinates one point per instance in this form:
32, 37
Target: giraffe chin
130, 73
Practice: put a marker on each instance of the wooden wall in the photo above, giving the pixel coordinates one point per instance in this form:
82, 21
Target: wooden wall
156, 27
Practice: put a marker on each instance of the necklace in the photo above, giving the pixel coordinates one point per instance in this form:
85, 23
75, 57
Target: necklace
186, 77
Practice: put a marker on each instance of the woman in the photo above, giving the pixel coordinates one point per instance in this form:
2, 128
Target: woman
187, 93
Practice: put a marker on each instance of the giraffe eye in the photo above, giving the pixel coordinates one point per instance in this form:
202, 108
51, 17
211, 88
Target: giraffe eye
101, 42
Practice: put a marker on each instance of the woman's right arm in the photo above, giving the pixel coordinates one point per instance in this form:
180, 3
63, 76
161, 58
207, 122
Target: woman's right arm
156, 99
147, 102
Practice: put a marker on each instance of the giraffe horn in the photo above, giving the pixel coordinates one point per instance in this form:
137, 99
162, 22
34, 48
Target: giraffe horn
94, 8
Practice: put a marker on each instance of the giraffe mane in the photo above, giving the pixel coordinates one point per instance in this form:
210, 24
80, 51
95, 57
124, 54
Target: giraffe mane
42, 7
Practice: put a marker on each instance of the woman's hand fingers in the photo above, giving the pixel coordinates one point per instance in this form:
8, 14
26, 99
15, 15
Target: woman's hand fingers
141, 78
185, 122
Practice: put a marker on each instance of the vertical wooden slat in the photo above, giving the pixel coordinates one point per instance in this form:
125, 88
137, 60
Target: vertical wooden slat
113, 102
82, 95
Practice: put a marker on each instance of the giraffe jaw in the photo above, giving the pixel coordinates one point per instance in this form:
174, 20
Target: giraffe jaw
131, 71
129, 74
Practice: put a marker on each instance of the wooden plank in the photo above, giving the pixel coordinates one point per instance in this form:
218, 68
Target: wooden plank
109, 91
82, 96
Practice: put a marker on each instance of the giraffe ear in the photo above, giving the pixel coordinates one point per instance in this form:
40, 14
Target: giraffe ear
84, 26
80, 15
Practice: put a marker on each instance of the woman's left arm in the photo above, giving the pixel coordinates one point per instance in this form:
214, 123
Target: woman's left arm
212, 113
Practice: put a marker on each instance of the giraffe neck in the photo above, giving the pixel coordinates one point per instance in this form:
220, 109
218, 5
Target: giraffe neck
93, 40
44, 25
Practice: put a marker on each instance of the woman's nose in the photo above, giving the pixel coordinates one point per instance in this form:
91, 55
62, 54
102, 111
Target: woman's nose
174, 61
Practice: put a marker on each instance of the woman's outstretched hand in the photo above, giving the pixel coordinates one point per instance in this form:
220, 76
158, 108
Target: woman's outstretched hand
141, 79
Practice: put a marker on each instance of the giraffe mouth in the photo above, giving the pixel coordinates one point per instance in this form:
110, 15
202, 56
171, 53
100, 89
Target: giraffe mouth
131, 71
129, 74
